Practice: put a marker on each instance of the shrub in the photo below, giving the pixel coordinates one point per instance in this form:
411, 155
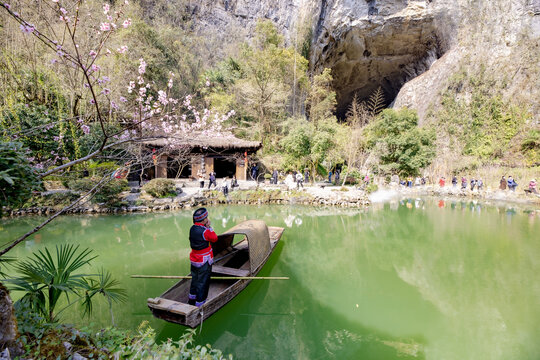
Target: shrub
403, 147
371, 188
17, 177
108, 192
63, 198
160, 188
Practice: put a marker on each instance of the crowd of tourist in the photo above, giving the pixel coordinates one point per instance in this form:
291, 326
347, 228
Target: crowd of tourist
478, 184
465, 184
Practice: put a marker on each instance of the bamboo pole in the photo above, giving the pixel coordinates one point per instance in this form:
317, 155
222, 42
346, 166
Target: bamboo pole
212, 277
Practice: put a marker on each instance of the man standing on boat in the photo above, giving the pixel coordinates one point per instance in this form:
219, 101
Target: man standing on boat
201, 256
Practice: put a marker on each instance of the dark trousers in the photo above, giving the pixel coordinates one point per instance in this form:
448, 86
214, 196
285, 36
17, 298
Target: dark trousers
202, 184
200, 282
212, 182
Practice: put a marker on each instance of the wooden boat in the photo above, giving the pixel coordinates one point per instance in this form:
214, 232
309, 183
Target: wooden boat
242, 259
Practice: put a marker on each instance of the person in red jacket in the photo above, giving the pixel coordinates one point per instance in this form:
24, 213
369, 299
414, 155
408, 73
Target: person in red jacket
201, 256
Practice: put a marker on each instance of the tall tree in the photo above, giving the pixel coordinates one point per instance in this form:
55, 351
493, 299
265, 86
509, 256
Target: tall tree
403, 147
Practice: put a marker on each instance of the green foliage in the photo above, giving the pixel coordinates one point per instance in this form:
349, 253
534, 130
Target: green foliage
41, 129
261, 85
57, 199
45, 279
322, 98
267, 34
43, 340
370, 188
255, 195
403, 147
530, 146
310, 143
160, 188
144, 346
18, 179
481, 124
353, 175
108, 193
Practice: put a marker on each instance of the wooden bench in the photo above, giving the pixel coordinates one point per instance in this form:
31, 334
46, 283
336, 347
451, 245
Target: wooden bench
216, 269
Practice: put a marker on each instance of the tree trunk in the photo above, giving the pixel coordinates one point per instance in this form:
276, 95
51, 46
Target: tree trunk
9, 335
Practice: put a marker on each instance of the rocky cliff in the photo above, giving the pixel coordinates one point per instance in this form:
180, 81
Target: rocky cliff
408, 48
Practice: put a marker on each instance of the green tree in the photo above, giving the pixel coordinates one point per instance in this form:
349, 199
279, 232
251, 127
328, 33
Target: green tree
402, 146
263, 84
17, 177
322, 98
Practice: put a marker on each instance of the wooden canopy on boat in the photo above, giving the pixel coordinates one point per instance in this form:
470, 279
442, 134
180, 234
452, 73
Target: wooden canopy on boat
258, 240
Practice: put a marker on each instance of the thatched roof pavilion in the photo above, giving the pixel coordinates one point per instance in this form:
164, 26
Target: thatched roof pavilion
225, 155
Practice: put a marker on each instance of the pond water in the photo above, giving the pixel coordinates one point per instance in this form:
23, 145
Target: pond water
410, 279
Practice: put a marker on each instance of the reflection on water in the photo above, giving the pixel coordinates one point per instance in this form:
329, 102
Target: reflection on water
410, 278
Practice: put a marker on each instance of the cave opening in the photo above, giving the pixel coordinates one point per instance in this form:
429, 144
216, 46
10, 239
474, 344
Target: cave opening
378, 52
390, 77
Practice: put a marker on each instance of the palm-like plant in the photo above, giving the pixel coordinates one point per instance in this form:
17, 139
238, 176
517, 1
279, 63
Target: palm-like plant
4, 261
105, 285
46, 278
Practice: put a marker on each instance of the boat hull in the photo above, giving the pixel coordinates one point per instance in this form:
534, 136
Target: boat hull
172, 305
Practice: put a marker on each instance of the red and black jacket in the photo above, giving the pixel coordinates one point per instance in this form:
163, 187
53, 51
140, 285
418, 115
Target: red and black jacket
200, 238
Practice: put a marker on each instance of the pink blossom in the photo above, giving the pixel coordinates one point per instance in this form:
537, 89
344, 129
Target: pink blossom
63, 11
122, 49
106, 91
54, 1
142, 66
207, 83
27, 29
109, 17
170, 83
92, 53
126, 23
92, 101
106, 8
7, 6
39, 166
60, 53
123, 99
105, 27
85, 129
142, 91
131, 86
95, 67
113, 105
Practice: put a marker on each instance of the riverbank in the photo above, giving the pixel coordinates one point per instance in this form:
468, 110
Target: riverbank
189, 195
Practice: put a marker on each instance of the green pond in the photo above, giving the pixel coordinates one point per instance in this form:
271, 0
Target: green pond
409, 279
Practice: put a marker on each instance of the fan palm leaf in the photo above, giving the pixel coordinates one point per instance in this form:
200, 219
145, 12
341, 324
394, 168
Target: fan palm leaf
55, 274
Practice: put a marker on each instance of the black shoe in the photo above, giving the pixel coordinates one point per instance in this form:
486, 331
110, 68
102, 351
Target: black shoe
191, 302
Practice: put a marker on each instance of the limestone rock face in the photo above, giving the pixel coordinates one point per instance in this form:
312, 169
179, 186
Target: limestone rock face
371, 44
409, 48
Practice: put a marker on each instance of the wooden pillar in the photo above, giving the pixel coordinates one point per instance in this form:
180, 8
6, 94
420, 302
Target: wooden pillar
198, 163
161, 166
241, 169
